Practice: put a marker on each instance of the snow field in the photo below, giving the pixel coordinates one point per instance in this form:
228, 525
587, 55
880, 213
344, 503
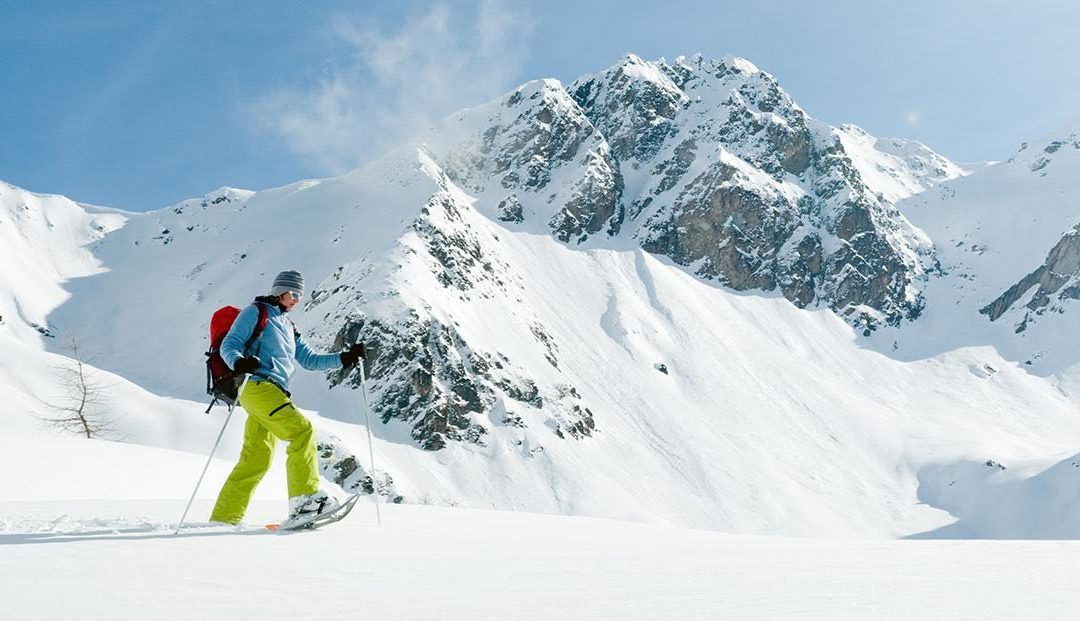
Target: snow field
427, 562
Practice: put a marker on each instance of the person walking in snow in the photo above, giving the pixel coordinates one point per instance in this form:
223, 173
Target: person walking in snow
272, 415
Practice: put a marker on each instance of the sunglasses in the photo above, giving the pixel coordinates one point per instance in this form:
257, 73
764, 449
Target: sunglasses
295, 295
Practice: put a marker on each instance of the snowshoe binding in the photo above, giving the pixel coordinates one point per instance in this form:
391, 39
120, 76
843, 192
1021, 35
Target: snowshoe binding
306, 510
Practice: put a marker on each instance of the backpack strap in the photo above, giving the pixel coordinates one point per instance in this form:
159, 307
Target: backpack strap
209, 379
295, 330
264, 316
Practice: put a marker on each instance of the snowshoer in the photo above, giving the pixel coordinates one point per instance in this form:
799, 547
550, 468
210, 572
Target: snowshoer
272, 416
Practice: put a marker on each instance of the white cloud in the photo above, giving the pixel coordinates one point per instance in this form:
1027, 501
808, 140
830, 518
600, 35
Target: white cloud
393, 87
913, 118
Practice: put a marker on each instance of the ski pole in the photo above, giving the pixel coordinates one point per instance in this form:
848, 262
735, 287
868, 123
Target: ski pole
210, 458
371, 447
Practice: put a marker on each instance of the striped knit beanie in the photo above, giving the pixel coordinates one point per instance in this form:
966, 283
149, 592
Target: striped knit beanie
289, 280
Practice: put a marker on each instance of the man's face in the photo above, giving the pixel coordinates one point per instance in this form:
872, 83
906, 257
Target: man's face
289, 299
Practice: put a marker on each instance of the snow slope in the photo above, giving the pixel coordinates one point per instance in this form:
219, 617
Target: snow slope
589, 378
991, 230
43, 238
896, 168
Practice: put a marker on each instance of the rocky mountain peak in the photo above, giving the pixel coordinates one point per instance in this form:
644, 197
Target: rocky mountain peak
738, 181
539, 157
713, 164
632, 104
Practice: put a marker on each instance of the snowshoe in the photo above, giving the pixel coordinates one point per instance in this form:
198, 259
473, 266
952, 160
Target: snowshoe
306, 509
326, 517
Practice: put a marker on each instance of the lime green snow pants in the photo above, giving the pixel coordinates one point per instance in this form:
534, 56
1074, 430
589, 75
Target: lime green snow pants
271, 417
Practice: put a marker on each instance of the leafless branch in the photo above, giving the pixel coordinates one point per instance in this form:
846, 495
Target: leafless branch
84, 407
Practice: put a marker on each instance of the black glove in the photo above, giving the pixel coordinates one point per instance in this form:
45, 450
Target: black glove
352, 355
249, 364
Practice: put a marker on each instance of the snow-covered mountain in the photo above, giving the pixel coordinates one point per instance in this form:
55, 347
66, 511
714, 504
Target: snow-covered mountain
663, 292
1008, 243
713, 165
44, 239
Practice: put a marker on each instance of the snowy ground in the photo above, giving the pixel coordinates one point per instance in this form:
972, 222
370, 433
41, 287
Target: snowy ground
97, 543
428, 562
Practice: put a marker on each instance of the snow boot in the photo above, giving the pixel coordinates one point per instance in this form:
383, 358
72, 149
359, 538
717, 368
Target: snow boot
305, 509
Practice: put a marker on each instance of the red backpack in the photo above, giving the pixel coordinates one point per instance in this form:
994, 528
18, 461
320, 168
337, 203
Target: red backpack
222, 383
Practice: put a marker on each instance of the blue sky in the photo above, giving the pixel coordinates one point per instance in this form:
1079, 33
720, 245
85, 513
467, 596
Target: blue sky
138, 105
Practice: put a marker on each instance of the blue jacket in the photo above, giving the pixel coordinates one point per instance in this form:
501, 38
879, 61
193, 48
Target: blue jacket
279, 344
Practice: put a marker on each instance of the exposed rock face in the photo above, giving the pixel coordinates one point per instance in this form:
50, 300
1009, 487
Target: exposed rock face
460, 259
727, 229
872, 274
596, 200
1057, 280
510, 210
633, 104
423, 372
747, 190
528, 138
418, 375
422, 369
